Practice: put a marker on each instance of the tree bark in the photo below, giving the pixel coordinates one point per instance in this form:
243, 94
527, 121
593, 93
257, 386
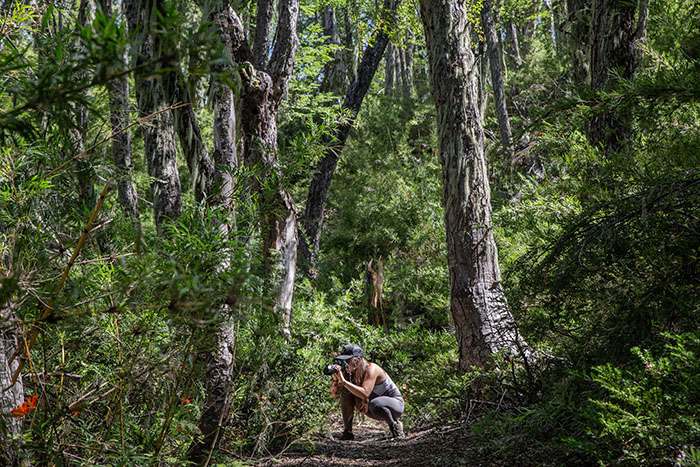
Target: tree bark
351, 46
263, 28
119, 103
159, 131
190, 136
579, 28
85, 174
335, 74
482, 320
489, 24
407, 69
549, 5
11, 394
219, 358
260, 97
312, 221
613, 55
389, 70
516, 45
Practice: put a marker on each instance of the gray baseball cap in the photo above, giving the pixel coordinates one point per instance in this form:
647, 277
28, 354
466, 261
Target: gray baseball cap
349, 351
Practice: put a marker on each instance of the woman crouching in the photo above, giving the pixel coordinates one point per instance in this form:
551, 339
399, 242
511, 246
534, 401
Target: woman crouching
364, 386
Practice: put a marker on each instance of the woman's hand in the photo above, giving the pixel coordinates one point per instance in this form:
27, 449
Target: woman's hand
339, 373
336, 385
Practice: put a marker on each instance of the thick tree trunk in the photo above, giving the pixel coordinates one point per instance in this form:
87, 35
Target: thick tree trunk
312, 220
482, 320
579, 29
613, 54
260, 97
159, 131
259, 125
11, 394
217, 407
489, 24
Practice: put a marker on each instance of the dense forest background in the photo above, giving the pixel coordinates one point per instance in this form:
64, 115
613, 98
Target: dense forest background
202, 202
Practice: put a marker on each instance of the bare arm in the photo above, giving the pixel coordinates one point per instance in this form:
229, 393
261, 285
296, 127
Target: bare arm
366, 389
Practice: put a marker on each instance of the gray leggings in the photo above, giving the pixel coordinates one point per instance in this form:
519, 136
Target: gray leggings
386, 409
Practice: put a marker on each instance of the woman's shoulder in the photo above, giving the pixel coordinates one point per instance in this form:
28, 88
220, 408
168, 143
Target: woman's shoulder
377, 371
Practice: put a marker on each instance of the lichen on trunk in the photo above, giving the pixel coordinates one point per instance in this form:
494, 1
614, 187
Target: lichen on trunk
482, 320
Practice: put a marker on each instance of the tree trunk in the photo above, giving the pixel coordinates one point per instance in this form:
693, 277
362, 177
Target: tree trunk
217, 407
190, 136
85, 174
159, 131
489, 24
407, 70
351, 45
11, 394
482, 320
263, 28
516, 45
335, 74
579, 28
260, 97
549, 5
613, 54
312, 220
219, 358
389, 70
121, 144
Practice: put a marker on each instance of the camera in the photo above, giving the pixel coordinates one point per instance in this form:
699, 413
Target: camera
330, 369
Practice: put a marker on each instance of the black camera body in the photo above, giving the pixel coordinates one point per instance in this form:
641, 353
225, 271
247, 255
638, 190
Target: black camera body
330, 369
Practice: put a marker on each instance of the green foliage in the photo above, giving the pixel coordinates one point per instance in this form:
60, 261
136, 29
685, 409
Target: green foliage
647, 413
386, 204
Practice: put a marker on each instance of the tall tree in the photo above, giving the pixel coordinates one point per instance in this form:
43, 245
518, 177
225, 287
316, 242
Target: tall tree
219, 356
261, 93
159, 131
488, 22
312, 221
482, 320
79, 126
614, 55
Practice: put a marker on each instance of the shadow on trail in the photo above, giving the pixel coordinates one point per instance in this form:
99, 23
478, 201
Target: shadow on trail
447, 445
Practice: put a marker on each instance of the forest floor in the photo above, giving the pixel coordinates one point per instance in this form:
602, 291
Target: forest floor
446, 445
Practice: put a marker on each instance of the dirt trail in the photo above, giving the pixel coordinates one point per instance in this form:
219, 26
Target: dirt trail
440, 446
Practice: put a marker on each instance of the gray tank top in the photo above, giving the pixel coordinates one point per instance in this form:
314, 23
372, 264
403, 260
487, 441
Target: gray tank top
386, 389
